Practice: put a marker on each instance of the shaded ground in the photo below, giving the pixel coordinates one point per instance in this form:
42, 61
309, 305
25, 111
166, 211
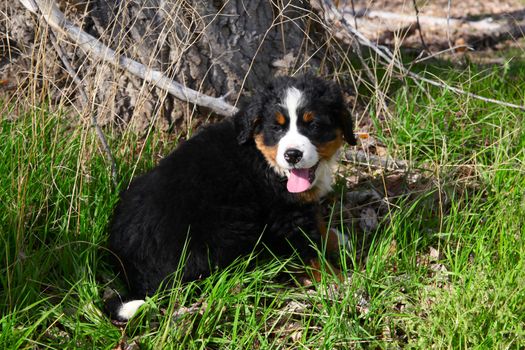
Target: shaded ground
472, 23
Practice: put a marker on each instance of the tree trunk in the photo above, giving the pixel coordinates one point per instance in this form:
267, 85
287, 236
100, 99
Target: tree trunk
221, 47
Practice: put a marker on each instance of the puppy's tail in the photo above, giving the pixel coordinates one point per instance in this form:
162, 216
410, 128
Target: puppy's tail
122, 310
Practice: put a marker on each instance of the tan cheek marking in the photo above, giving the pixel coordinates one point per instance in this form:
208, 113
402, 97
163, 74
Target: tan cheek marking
328, 149
279, 118
269, 152
308, 117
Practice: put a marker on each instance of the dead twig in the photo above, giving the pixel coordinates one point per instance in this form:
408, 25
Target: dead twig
362, 158
448, 26
436, 54
334, 16
85, 101
83, 95
353, 14
56, 19
418, 26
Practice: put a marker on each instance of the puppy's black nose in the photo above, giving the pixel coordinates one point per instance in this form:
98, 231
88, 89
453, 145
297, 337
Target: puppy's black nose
293, 156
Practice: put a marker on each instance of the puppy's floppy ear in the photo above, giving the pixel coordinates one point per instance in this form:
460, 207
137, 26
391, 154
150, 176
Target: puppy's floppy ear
247, 120
348, 127
335, 94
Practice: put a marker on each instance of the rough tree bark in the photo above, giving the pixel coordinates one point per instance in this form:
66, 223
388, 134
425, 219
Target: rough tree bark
220, 47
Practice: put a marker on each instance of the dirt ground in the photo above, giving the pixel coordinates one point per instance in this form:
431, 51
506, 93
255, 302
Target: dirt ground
458, 9
477, 24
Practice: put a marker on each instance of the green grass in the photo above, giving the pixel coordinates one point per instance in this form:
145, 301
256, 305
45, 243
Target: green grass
57, 197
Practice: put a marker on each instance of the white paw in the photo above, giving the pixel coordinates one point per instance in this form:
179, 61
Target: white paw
128, 309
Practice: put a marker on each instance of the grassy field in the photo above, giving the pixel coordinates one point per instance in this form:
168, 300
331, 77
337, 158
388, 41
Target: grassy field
446, 270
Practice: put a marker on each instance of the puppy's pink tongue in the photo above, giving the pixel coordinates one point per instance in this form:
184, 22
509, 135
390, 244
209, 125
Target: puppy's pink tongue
298, 181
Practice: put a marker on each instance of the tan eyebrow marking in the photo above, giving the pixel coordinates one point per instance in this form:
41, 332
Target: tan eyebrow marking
308, 117
280, 118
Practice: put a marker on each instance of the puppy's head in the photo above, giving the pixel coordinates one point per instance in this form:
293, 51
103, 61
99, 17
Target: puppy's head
298, 124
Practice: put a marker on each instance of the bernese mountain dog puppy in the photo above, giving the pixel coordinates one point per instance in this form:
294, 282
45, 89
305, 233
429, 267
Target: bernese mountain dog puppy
256, 177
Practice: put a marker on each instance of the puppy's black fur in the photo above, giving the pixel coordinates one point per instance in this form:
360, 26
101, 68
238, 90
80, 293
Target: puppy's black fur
217, 195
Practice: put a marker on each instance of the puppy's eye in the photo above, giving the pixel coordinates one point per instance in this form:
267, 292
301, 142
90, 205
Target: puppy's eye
278, 128
314, 126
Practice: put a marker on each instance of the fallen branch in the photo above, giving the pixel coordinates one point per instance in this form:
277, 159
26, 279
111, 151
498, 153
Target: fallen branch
335, 17
486, 25
56, 19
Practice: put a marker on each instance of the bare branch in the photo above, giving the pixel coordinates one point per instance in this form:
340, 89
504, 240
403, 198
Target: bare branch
56, 19
363, 158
